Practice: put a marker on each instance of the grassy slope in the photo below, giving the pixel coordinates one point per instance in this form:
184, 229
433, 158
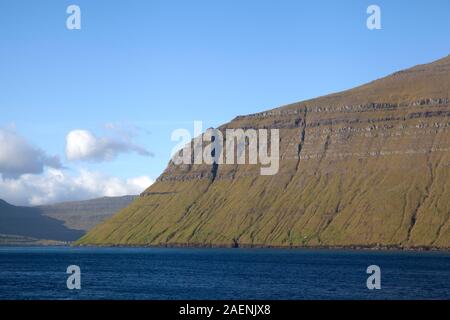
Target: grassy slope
378, 177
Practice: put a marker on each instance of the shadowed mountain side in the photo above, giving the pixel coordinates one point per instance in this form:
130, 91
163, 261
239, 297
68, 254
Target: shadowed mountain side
367, 167
84, 215
66, 221
30, 222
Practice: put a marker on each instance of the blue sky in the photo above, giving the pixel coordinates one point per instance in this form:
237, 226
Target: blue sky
149, 67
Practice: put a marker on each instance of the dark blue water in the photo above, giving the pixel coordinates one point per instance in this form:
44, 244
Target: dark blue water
147, 273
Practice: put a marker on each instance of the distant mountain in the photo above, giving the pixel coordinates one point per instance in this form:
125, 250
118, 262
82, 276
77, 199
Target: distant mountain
31, 222
66, 221
84, 215
366, 167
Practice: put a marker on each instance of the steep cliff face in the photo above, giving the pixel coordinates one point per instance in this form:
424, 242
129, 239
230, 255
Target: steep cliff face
364, 167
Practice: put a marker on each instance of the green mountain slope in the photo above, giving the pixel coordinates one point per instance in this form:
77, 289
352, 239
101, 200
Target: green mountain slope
364, 167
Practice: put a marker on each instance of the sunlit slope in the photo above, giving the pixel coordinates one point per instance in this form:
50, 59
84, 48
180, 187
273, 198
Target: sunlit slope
365, 167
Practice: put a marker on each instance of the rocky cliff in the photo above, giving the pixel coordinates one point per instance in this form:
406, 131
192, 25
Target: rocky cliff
364, 167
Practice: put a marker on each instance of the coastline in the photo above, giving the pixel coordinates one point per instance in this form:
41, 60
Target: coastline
253, 246
354, 247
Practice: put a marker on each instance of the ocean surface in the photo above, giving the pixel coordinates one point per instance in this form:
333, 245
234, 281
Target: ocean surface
160, 273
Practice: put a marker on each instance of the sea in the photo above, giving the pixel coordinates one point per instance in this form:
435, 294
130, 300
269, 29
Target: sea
224, 274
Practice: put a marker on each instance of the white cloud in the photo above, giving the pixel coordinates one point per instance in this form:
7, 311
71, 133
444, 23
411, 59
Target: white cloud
83, 145
18, 157
57, 185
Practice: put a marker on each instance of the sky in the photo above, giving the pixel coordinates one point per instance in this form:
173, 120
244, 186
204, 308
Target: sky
88, 113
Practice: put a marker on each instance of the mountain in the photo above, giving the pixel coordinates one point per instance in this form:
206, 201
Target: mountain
366, 167
30, 222
84, 215
64, 222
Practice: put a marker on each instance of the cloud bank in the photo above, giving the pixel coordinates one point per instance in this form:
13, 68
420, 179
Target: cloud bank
18, 157
57, 185
83, 145
28, 176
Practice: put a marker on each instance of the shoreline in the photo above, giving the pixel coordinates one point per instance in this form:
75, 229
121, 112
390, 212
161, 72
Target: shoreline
284, 248
253, 246
231, 246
